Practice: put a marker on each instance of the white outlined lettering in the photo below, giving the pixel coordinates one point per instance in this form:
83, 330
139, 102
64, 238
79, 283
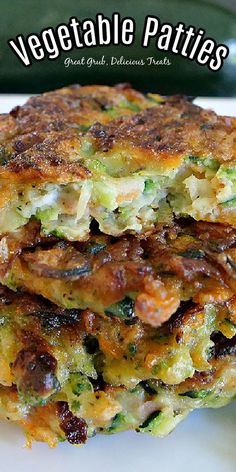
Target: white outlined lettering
179, 39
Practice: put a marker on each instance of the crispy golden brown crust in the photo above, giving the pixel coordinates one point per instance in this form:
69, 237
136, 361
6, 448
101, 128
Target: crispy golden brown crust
34, 322
41, 140
165, 133
44, 338
160, 311
188, 260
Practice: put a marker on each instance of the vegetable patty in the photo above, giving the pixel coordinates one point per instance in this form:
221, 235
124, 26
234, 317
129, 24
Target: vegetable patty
113, 155
125, 278
71, 374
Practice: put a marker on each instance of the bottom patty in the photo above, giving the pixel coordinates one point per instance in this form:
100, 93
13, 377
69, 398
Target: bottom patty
70, 374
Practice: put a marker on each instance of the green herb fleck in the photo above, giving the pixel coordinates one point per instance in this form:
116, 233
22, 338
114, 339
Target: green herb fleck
132, 349
79, 383
123, 309
149, 186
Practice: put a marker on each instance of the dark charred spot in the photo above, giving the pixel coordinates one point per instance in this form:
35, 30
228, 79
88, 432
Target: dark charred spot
5, 155
131, 321
51, 320
178, 338
223, 346
207, 126
186, 115
15, 111
56, 125
75, 428
21, 163
4, 300
175, 124
91, 344
139, 121
176, 319
34, 372
99, 132
202, 378
103, 103
164, 147
7, 297
20, 145
190, 98
98, 383
146, 386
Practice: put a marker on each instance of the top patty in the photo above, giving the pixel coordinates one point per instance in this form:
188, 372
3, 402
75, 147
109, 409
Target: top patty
116, 156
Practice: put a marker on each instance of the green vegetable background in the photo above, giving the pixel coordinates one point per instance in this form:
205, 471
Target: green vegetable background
218, 18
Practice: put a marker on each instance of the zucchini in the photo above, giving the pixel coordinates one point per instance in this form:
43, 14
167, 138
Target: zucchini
162, 422
130, 105
72, 273
132, 348
94, 248
87, 148
229, 203
84, 128
192, 253
123, 310
146, 386
96, 165
195, 394
147, 425
80, 383
207, 162
116, 424
149, 186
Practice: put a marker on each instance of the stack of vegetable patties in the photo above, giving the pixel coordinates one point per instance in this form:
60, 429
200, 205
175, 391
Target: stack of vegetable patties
117, 262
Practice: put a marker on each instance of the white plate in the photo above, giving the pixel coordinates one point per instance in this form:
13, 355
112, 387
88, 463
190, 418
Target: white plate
223, 106
205, 441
